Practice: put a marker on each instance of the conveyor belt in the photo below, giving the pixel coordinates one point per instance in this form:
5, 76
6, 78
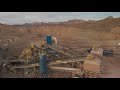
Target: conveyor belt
66, 69
71, 53
37, 64
68, 61
26, 66
56, 55
60, 50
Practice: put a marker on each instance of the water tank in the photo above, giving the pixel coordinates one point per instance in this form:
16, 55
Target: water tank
54, 40
43, 64
49, 39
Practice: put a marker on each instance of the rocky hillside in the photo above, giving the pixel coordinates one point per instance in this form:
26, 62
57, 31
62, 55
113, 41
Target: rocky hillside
106, 24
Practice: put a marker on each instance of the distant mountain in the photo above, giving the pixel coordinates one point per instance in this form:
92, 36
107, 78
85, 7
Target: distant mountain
105, 24
75, 21
110, 17
35, 23
91, 21
1, 24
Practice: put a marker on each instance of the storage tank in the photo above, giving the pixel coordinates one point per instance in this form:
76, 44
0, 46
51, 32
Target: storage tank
49, 39
43, 64
54, 40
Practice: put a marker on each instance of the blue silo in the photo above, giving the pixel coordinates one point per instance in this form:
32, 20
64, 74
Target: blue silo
49, 39
43, 64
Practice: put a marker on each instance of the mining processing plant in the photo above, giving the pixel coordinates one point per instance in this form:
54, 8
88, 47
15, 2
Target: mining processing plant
48, 55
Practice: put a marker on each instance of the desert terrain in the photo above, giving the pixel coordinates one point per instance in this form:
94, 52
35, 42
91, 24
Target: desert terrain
77, 34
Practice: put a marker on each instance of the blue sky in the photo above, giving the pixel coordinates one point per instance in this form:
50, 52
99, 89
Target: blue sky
29, 17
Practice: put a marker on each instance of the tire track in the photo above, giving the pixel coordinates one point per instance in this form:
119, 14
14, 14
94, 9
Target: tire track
7, 42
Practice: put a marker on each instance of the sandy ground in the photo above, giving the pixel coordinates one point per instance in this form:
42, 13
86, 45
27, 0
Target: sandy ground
78, 40
110, 67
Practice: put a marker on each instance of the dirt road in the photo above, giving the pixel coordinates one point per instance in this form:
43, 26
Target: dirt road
110, 67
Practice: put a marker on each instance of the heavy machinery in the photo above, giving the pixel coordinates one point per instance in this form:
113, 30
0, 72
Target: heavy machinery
101, 52
60, 58
91, 66
30, 55
97, 51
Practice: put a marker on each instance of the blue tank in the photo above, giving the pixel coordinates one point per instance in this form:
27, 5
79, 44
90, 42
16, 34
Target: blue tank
43, 64
49, 39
